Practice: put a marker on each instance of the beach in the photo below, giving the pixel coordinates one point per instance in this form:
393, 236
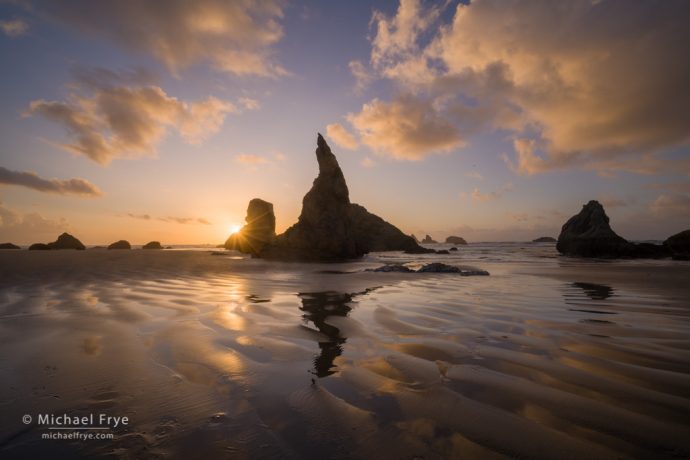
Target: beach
218, 355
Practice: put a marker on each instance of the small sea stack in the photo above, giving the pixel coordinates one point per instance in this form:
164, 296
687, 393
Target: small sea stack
122, 244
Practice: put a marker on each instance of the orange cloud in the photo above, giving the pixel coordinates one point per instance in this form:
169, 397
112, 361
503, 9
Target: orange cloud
572, 84
341, 136
408, 128
112, 121
233, 36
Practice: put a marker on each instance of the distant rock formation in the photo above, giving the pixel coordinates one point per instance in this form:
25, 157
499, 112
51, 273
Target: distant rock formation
260, 229
8, 246
545, 239
152, 245
679, 245
122, 244
329, 228
455, 240
67, 241
434, 267
39, 247
588, 234
429, 240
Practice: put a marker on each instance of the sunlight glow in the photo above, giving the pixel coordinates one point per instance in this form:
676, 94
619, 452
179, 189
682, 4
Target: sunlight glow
234, 228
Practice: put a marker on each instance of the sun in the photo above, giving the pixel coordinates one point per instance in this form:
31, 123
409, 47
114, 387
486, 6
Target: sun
234, 228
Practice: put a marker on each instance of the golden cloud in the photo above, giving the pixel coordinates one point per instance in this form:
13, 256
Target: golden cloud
107, 121
233, 36
407, 128
341, 136
575, 83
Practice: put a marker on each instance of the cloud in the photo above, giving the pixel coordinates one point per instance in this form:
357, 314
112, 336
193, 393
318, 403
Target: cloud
363, 77
171, 219
249, 103
233, 36
108, 121
250, 159
24, 228
367, 162
609, 201
140, 216
474, 175
407, 128
62, 187
477, 195
575, 84
341, 136
672, 205
14, 28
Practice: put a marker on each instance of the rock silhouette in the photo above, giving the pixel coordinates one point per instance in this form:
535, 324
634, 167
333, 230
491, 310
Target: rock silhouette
429, 240
39, 247
66, 241
679, 245
455, 240
122, 244
329, 228
588, 234
544, 239
8, 246
260, 229
152, 245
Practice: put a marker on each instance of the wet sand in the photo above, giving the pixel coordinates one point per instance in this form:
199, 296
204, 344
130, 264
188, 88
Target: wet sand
227, 357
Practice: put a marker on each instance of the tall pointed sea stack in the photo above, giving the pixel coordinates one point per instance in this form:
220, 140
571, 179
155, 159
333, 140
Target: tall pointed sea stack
329, 228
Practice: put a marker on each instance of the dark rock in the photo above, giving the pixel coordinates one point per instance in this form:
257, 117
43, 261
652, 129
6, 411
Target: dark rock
152, 245
122, 244
329, 228
9, 246
429, 240
97, 247
66, 241
544, 239
437, 267
679, 245
414, 238
442, 251
453, 249
375, 234
259, 230
399, 268
39, 247
420, 250
474, 273
455, 240
588, 234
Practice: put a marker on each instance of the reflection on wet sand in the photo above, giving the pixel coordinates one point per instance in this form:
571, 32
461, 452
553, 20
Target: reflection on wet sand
318, 307
595, 291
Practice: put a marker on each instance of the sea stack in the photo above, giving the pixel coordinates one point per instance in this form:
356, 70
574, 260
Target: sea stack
122, 244
588, 234
152, 245
67, 241
455, 240
329, 228
259, 231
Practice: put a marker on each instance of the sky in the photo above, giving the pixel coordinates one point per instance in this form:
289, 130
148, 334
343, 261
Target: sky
494, 120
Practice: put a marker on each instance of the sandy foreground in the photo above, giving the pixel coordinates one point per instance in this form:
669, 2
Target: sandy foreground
227, 357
